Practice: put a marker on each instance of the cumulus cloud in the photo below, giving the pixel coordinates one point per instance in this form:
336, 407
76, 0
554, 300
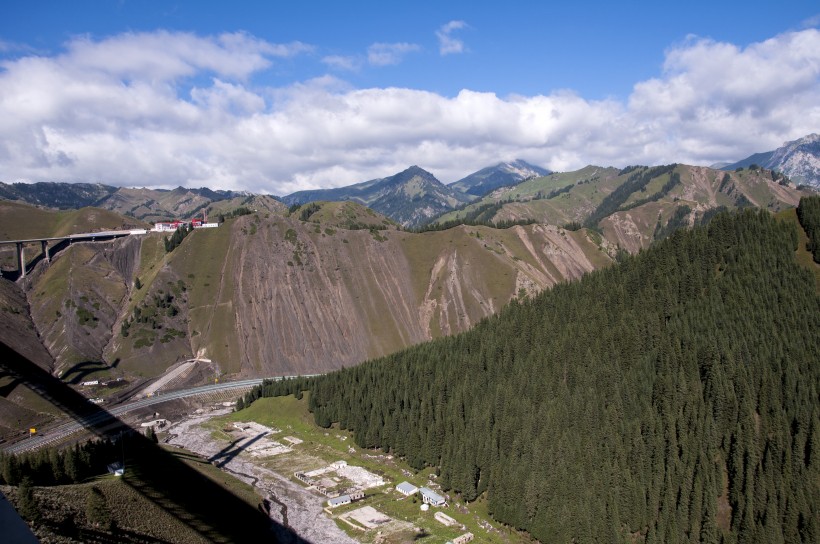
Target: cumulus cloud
384, 54
124, 111
447, 44
165, 55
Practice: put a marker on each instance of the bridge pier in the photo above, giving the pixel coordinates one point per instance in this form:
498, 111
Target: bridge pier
21, 259
46, 255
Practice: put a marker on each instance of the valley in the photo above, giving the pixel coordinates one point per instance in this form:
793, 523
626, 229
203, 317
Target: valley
303, 508
324, 286
396, 273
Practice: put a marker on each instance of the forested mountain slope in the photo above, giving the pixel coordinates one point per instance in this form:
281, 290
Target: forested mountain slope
671, 398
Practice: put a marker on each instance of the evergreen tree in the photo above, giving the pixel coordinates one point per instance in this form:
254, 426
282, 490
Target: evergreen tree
27, 505
646, 378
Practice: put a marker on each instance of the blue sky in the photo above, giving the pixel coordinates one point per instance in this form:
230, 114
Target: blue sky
281, 96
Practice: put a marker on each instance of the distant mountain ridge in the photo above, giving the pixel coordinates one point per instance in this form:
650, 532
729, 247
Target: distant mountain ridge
798, 159
633, 206
502, 174
410, 197
57, 195
140, 203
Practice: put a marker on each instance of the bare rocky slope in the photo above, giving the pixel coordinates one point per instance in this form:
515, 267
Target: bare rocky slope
276, 295
270, 294
798, 159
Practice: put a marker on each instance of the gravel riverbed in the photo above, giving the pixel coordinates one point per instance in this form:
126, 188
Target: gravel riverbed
291, 505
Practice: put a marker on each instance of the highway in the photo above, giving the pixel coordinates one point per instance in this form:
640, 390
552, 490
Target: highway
62, 431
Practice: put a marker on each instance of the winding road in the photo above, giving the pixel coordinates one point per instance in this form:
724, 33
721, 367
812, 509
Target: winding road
62, 431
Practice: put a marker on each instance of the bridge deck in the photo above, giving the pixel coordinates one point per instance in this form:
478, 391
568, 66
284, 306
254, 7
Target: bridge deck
84, 235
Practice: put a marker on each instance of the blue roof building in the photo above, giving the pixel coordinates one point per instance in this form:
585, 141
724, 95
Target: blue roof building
428, 496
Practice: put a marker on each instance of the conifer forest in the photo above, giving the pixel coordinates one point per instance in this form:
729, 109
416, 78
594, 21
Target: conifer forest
670, 398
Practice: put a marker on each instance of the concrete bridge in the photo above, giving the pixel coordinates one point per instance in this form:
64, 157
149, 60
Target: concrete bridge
56, 241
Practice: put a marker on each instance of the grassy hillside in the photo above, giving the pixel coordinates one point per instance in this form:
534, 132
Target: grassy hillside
134, 508
20, 221
347, 215
546, 198
802, 255
256, 203
632, 206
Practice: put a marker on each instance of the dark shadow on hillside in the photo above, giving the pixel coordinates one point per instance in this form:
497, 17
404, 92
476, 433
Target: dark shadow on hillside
226, 454
116, 536
76, 373
161, 477
11, 275
5, 390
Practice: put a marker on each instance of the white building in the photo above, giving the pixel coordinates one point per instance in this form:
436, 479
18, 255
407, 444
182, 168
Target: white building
339, 501
406, 489
428, 496
345, 499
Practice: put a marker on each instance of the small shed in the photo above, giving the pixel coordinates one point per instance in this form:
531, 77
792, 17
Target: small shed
406, 489
428, 496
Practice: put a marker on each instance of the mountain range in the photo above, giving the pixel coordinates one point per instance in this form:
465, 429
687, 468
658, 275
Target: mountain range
328, 283
143, 204
799, 160
336, 278
411, 197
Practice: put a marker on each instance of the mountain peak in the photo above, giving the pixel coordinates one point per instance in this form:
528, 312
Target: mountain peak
410, 197
491, 178
415, 171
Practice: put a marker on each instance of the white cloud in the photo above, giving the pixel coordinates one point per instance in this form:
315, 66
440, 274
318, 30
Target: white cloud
115, 111
384, 54
447, 44
340, 62
811, 22
165, 56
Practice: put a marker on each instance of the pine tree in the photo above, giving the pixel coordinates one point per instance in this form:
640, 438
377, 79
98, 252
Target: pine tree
26, 502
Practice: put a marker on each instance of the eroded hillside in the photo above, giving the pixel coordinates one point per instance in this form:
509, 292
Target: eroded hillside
291, 296
634, 206
698, 193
